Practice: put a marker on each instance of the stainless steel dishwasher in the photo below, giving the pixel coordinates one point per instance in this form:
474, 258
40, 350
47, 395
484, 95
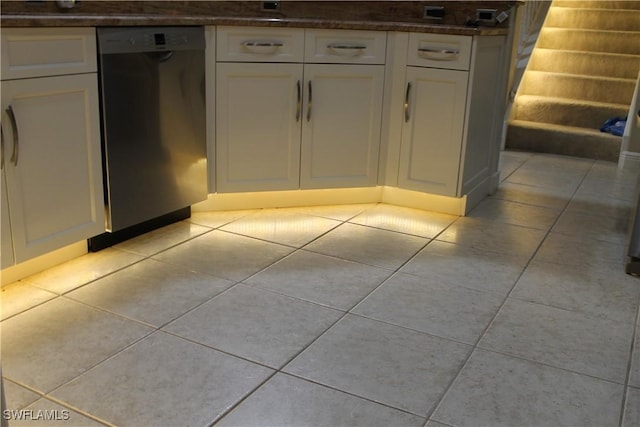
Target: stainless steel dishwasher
152, 88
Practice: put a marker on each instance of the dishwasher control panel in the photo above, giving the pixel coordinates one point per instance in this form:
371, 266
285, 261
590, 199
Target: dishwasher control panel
149, 39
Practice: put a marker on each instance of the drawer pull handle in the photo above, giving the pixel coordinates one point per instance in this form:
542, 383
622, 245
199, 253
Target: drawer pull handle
347, 49
264, 47
16, 138
438, 54
407, 97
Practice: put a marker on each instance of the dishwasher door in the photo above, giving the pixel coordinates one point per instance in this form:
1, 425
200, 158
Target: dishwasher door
154, 130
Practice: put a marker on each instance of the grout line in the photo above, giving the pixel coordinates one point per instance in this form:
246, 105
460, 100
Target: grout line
636, 331
506, 298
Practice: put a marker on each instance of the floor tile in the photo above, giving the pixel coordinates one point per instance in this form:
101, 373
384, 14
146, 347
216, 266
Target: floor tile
217, 219
404, 220
77, 272
587, 253
634, 378
510, 161
151, 291
515, 213
321, 279
562, 338
158, 240
18, 397
385, 363
601, 204
613, 295
608, 228
559, 180
338, 212
537, 196
45, 412
225, 255
57, 332
282, 226
499, 390
467, 266
612, 188
631, 416
288, 401
20, 296
493, 236
558, 163
431, 306
368, 245
163, 381
255, 324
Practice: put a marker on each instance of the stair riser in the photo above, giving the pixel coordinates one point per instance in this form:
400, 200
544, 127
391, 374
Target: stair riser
603, 4
593, 41
614, 20
602, 147
573, 87
578, 115
586, 63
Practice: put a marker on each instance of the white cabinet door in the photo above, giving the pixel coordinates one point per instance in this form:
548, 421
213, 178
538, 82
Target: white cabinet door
258, 113
6, 256
54, 175
433, 130
341, 126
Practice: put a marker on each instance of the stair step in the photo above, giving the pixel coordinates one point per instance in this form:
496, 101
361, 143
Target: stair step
586, 63
602, 4
565, 140
573, 86
590, 40
595, 19
567, 112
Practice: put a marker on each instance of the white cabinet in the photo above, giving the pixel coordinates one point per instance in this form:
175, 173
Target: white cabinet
283, 123
341, 128
432, 131
258, 109
452, 111
51, 150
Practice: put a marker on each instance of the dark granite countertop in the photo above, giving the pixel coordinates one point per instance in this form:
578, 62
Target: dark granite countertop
358, 15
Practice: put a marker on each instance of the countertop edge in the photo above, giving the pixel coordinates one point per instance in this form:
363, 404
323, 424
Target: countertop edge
151, 20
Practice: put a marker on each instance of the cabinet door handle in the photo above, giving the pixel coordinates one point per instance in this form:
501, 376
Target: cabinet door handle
1, 147
262, 46
16, 138
438, 54
347, 49
407, 109
299, 103
310, 102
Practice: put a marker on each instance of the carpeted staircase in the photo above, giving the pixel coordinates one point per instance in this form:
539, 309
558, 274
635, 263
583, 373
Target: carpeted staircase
582, 72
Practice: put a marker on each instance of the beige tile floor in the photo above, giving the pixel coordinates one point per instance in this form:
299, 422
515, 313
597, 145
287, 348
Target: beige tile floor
519, 314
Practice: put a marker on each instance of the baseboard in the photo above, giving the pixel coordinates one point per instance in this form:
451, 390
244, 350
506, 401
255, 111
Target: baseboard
43, 262
629, 160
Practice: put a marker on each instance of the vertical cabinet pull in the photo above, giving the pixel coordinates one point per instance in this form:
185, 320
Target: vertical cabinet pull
310, 102
16, 139
299, 103
407, 109
1, 147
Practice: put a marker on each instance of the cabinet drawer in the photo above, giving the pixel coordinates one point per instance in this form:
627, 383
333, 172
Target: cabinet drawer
255, 44
345, 46
38, 52
439, 51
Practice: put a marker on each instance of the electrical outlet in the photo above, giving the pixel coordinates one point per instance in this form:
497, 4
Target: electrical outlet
433, 12
270, 6
486, 15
